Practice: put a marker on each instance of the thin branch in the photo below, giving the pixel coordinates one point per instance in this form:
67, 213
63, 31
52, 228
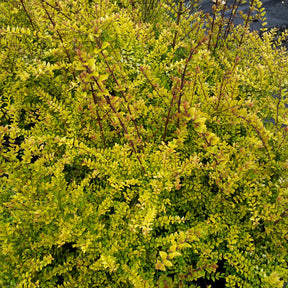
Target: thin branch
220, 25
168, 116
57, 9
249, 122
192, 52
246, 22
211, 29
179, 13
283, 214
232, 16
26, 12
108, 101
60, 37
152, 85
119, 87
97, 112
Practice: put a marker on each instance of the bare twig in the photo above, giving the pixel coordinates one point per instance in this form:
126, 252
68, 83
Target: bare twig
179, 13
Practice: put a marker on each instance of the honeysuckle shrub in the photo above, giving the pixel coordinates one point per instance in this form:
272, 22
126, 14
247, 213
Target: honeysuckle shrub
141, 147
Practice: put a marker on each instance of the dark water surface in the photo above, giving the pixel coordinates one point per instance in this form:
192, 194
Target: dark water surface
276, 12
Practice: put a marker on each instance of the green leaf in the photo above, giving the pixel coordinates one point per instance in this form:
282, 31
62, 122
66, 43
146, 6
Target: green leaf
163, 255
167, 263
91, 64
103, 77
160, 266
174, 254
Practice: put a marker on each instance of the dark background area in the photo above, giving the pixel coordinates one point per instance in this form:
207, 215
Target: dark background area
276, 12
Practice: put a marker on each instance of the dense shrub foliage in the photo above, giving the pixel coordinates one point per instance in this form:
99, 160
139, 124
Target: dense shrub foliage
143, 144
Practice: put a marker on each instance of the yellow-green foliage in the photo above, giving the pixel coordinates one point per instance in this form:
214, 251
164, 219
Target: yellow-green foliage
137, 148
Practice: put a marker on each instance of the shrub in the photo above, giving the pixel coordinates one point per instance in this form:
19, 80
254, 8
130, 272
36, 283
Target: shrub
138, 147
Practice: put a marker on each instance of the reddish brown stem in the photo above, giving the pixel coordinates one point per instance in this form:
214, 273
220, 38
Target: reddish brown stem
283, 214
60, 37
246, 22
26, 12
57, 9
108, 101
231, 18
179, 13
96, 102
192, 51
168, 116
122, 93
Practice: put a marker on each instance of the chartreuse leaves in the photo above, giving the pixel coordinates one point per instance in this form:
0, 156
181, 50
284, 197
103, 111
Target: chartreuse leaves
142, 145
